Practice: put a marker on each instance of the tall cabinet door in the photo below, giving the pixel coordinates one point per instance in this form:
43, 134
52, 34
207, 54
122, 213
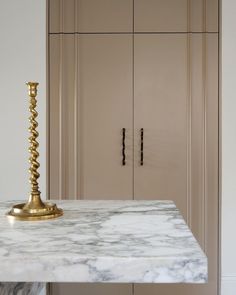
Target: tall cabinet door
176, 105
91, 102
160, 108
105, 102
91, 99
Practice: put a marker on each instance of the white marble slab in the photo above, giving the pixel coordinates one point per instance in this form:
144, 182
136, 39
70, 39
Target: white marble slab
22, 288
102, 241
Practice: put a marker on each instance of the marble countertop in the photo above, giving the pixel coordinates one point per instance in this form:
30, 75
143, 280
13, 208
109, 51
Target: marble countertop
102, 241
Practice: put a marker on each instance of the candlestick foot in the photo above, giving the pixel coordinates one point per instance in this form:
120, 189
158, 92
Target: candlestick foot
23, 212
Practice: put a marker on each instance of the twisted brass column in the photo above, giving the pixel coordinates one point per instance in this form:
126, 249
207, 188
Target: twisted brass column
34, 209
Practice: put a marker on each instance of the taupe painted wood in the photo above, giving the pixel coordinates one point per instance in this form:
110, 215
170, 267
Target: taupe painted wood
91, 289
176, 102
149, 15
62, 105
105, 94
91, 16
90, 103
176, 15
161, 15
86, 120
160, 107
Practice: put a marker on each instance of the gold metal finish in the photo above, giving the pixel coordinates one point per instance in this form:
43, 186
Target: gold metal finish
34, 209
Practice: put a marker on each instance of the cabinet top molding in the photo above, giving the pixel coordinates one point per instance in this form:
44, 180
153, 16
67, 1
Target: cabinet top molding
102, 241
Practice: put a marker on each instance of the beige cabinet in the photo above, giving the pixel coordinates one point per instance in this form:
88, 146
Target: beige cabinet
176, 15
90, 16
176, 104
90, 289
117, 16
91, 98
140, 65
161, 108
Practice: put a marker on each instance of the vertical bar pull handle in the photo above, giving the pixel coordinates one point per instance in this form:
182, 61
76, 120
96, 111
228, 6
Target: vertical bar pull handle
141, 148
123, 147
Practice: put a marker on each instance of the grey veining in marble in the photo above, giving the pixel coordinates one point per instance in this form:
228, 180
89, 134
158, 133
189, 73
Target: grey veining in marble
102, 241
20, 288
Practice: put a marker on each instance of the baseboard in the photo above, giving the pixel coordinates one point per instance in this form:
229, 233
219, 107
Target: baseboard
228, 284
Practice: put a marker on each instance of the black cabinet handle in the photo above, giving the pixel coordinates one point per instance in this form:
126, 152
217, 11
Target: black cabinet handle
123, 147
141, 149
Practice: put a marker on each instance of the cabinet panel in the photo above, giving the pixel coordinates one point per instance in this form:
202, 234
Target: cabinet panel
105, 94
90, 103
105, 15
176, 102
176, 15
90, 16
62, 100
91, 289
160, 107
160, 15
212, 15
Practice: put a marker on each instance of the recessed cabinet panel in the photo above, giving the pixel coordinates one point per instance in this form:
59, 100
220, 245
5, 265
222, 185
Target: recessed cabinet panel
106, 107
91, 99
91, 16
160, 15
160, 108
105, 15
176, 15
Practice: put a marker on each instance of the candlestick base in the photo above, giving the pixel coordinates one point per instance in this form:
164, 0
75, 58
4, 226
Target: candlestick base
24, 212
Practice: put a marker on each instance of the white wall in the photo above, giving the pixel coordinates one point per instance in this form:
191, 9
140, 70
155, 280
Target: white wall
228, 147
22, 59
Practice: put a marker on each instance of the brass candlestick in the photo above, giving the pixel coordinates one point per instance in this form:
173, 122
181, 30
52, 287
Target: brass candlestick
34, 209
